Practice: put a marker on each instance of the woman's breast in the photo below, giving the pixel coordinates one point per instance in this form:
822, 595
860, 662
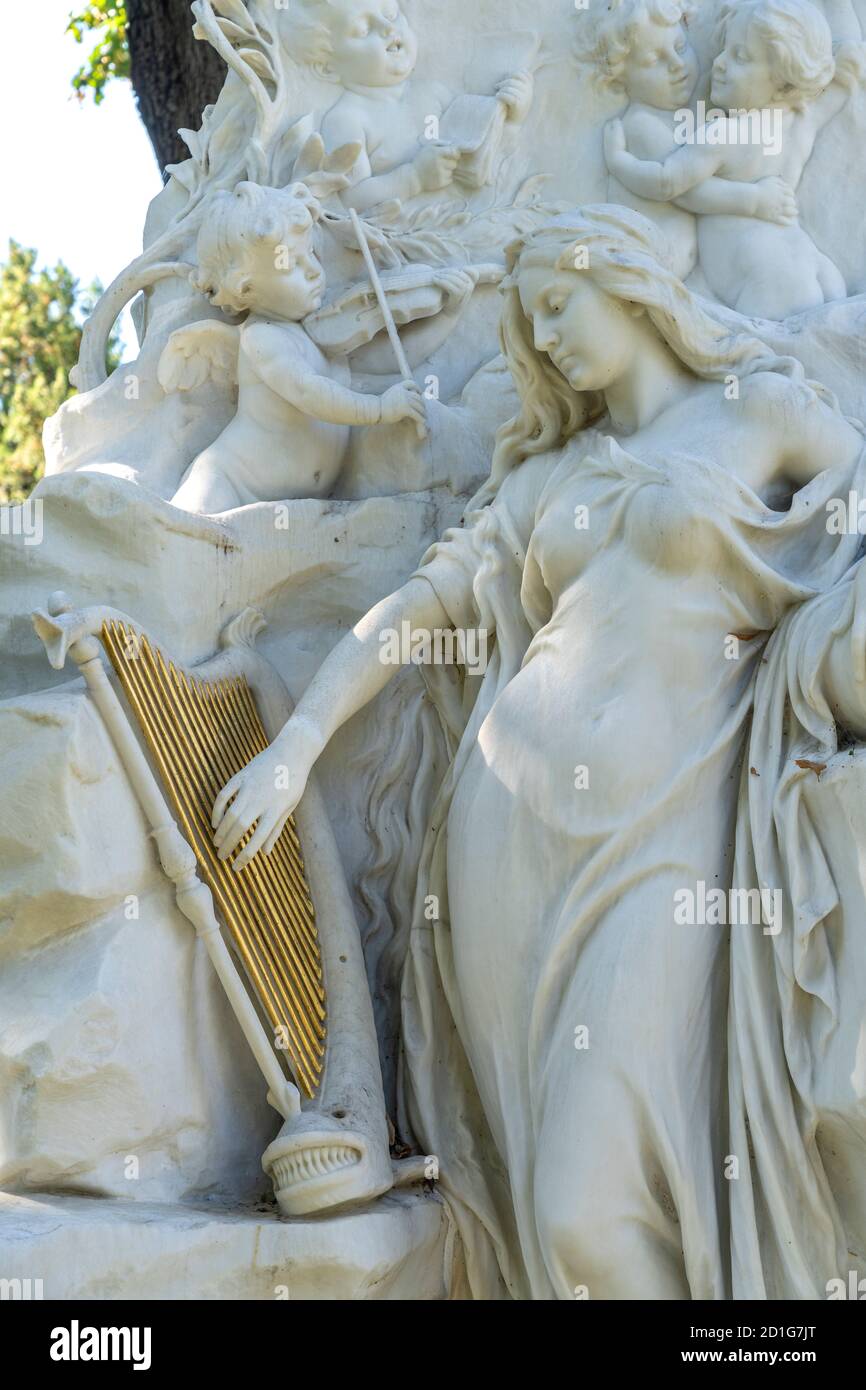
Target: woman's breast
652, 590
651, 521
634, 675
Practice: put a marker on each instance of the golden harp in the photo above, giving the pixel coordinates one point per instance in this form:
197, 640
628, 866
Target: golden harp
300, 994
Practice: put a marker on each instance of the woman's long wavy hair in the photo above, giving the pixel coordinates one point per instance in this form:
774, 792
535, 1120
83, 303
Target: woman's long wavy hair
624, 255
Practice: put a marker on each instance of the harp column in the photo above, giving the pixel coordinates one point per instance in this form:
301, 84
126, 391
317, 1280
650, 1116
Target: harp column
194, 898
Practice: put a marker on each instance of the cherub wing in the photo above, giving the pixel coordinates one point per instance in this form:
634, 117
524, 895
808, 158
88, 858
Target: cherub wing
206, 351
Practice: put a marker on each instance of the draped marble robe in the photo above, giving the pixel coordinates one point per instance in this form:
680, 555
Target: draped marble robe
798, 1002
596, 1170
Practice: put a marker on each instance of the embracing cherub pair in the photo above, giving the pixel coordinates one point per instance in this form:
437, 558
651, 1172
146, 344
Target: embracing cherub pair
777, 62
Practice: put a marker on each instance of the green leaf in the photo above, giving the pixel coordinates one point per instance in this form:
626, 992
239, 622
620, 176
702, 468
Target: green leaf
109, 58
40, 335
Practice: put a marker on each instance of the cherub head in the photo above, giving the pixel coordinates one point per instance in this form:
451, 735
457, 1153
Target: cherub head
358, 43
255, 252
642, 47
775, 52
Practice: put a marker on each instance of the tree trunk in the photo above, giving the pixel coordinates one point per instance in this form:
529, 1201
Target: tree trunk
174, 75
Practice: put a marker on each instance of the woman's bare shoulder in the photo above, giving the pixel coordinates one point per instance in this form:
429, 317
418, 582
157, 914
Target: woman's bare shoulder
801, 419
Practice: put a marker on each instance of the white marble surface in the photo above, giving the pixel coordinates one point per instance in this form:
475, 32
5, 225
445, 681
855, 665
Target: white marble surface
111, 1251
643, 426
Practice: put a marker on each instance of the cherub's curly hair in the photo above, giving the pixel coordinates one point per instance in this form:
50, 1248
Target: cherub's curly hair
606, 40
237, 222
309, 38
799, 42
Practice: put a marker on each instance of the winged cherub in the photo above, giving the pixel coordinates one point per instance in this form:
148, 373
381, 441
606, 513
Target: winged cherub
295, 406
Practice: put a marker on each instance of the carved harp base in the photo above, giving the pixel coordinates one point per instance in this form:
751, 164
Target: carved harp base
315, 1166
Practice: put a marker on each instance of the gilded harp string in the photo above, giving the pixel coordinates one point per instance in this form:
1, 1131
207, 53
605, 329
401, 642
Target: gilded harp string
200, 734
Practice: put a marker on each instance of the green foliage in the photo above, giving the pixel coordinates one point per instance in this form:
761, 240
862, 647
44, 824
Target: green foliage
40, 336
110, 57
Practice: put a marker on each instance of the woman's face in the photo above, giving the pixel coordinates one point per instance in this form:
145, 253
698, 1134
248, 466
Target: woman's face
588, 335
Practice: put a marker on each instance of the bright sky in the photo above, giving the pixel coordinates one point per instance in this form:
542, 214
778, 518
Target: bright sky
77, 178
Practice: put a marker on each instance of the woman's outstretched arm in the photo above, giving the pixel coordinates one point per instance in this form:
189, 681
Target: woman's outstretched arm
270, 787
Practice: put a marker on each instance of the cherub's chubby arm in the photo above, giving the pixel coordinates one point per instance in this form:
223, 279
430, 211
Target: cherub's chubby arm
424, 337
771, 199
517, 93
291, 376
661, 182
850, 74
431, 169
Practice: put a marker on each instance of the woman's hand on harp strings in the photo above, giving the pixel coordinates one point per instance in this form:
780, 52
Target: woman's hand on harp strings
264, 794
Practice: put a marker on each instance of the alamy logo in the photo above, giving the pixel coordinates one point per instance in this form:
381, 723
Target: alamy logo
21, 1290
77, 1343
738, 127
439, 647
738, 907
24, 521
854, 1289
846, 517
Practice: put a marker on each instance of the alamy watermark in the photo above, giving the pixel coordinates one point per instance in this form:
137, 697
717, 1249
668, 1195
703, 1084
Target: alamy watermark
764, 128
77, 1343
852, 1289
847, 516
449, 646
24, 521
734, 907
22, 1290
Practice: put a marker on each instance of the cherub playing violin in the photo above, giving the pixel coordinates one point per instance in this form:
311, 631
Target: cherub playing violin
295, 403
